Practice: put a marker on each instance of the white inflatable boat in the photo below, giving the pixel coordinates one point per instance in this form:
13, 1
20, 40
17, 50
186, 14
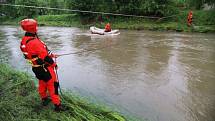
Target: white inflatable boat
95, 30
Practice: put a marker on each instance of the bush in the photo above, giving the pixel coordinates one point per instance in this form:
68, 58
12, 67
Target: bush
199, 17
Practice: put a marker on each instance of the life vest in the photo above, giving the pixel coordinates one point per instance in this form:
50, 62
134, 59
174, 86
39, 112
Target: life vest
107, 28
190, 18
34, 50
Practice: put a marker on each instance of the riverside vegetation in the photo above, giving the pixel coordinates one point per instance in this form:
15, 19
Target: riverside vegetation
20, 102
174, 13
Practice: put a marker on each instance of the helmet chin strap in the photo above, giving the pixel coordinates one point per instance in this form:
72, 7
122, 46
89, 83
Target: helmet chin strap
30, 34
36, 35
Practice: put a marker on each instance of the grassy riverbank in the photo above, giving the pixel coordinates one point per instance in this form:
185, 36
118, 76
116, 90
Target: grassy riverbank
204, 21
20, 101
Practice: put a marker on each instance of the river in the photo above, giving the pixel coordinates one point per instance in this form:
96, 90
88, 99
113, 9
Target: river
158, 76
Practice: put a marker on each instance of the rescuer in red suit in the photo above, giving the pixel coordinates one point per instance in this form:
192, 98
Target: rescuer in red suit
190, 18
42, 62
107, 27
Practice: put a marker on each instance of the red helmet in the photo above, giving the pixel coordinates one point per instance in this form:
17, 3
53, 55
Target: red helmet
29, 25
190, 12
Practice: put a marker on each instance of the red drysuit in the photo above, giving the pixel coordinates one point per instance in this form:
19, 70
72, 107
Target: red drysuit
42, 65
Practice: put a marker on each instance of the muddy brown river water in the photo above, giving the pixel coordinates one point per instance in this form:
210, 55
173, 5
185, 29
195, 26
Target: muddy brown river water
158, 76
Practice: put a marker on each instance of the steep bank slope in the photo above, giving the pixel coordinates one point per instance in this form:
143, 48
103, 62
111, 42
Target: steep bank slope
20, 101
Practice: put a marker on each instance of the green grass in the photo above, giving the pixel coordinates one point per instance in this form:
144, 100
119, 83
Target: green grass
59, 20
204, 21
20, 102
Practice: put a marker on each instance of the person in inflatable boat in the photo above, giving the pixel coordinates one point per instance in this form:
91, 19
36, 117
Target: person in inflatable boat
107, 27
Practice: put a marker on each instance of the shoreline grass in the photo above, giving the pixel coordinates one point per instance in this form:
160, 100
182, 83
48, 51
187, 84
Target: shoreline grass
204, 21
20, 102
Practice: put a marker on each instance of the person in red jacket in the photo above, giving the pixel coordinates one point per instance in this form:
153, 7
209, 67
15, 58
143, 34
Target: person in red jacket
42, 62
107, 27
190, 18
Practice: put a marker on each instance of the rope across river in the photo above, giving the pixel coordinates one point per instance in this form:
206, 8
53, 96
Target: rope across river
86, 11
87, 50
78, 52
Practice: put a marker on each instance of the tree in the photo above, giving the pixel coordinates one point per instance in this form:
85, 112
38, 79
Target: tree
27, 12
198, 4
9, 10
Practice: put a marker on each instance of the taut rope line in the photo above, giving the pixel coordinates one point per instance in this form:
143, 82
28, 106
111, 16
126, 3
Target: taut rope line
84, 11
87, 50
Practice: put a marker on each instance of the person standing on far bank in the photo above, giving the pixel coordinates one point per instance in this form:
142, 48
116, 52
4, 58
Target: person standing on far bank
190, 18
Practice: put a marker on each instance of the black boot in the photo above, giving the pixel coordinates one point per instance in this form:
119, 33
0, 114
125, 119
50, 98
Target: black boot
58, 108
45, 101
